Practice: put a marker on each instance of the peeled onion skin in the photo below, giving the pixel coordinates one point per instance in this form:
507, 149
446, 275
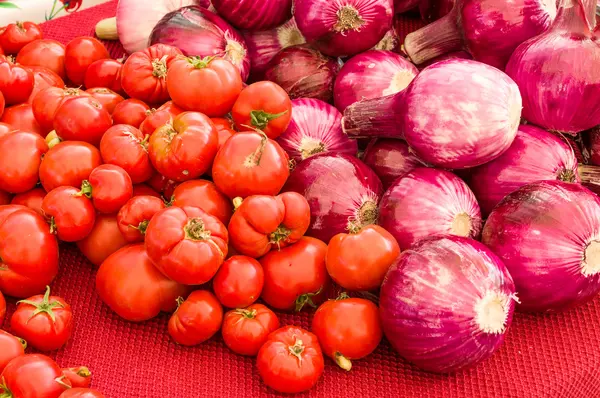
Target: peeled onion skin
548, 235
390, 159
447, 303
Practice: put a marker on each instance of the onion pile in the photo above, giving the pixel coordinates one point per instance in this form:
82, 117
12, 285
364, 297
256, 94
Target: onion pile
390, 159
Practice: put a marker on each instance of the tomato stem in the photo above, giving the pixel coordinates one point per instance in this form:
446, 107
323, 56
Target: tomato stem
159, 67
254, 158
179, 301
279, 235
342, 361
60, 381
53, 228
237, 202
83, 371
23, 342
249, 314
52, 139
200, 63
297, 349
5, 392
342, 296
306, 298
141, 227
86, 189
260, 119
45, 306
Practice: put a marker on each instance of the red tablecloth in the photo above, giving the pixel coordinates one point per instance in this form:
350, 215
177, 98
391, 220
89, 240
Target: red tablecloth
554, 355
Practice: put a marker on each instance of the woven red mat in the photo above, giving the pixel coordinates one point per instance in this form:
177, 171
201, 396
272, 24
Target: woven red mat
555, 355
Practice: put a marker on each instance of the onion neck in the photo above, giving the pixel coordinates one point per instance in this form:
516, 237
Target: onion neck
436, 39
377, 117
576, 16
491, 312
590, 265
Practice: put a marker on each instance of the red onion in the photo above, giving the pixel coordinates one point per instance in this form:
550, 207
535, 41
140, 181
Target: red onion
254, 15
390, 159
557, 71
427, 202
458, 54
343, 27
447, 303
390, 42
372, 74
534, 155
342, 191
432, 10
304, 72
315, 128
405, 5
489, 29
197, 31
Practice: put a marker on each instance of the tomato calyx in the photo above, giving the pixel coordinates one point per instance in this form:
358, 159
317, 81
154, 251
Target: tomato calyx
297, 349
142, 226
279, 235
194, 229
342, 296
237, 202
86, 189
254, 158
23, 343
159, 67
260, 119
150, 111
82, 371
4, 391
46, 306
306, 299
342, 361
52, 139
248, 314
179, 301
53, 227
200, 63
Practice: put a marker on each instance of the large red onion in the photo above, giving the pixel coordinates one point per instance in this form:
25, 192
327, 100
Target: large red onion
447, 303
427, 202
372, 74
254, 15
489, 29
197, 31
342, 191
390, 159
343, 27
315, 128
548, 235
558, 71
432, 10
534, 155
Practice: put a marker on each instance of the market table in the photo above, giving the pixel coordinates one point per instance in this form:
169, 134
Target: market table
551, 355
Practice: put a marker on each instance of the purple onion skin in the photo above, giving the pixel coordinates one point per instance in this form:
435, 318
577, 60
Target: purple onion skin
548, 235
433, 298
254, 15
522, 164
460, 113
204, 3
197, 31
405, 5
390, 159
557, 73
342, 191
426, 202
432, 10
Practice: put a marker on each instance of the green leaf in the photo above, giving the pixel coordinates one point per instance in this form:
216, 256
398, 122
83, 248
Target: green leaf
9, 5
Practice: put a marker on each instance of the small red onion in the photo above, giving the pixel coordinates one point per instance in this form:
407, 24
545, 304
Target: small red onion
343, 27
447, 303
254, 15
405, 5
315, 128
432, 10
390, 159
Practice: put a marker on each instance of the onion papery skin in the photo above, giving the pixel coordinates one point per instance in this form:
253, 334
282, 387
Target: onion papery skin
534, 155
254, 14
198, 31
426, 202
390, 159
342, 191
372, 74
315, 128
432, 10
558, 74
548, 235
447, 303
343, 27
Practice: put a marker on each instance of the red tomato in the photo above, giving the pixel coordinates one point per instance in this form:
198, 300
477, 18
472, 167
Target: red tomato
185, 149
144, 74
246, 330
133, 288
291, 360
32, 199
295, 276
5, 198
126, 147
15, 36
262, 223
131, 111
70, 214
225, 131
47, 53
159, 117
134, 216
80, 377
104, 73
10, 348
68, 164
82, 119
20, 157
144, 190
81, 393
43, 78
205, 195
80, 53
186, 244
44, 321
33, 375
250, 164
104, 240
2, 312
238, 282
197, 319
20, 117
108, 98
162, 184
2, 103
206, 85
16, 82
109, 187
47, 101
28, 265
6, 129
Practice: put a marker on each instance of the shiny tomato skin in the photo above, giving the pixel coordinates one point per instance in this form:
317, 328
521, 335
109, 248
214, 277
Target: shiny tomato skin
225, 131
131, 111
104, 73
20, 117
81, 393
82, 119
108, 98
2, 311
15, 36
2, 103
34, 376
10, 347
109, 187
47, 101
21, 154
238, 282
246, 330
197, 319
70, 214
80, 53
45, 52
6, 129
205, 195
43, 78
68, 164
32, 199
159, 117
134, 216
16, 82
126, 147
291, 360
104, 239
180, 245
144, 190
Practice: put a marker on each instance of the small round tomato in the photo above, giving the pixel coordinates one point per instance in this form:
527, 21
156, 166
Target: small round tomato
186, 244
15, 36
10, 348
245, 330
80, 377
144, 190
43, 78
81, 393
205, 195
20, 117
80, 53
250, 164
109, 187
162, 184
32, 199
68, 164
156, 118
295, 276
20, 158
47, 101
108, 98
82, 119
134, 216
104, 73
131, 286
47, 53
45, 322
196, 319
104, 239
208, 85
71, 215
291, 360
126, 147
16, 82
131, 111
144, 73
2, 311
238, 282
33, 375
